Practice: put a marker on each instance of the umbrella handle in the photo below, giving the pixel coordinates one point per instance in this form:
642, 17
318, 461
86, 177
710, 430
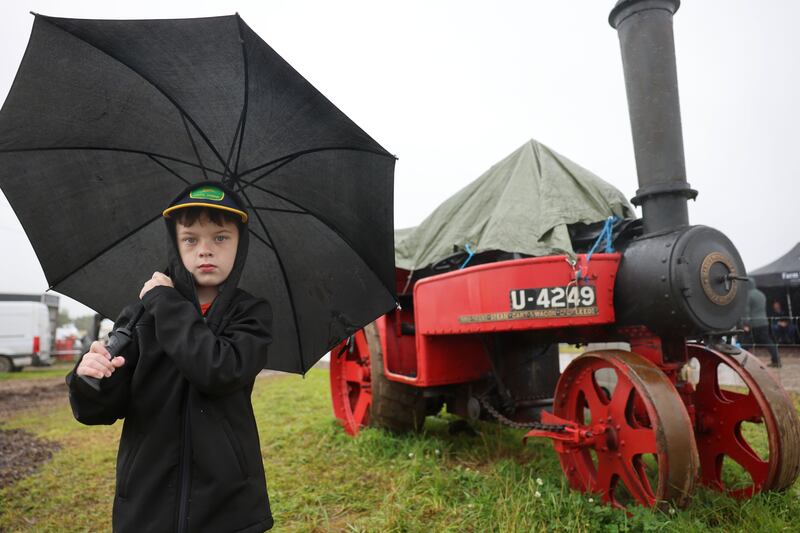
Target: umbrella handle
118, 340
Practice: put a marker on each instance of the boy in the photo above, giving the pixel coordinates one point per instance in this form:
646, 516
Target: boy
189, 457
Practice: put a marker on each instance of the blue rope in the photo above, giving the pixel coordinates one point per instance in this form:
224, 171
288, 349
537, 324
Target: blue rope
469, 257
605, 234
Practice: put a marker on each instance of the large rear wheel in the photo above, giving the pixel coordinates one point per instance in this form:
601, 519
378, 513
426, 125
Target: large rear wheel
395, 406
748, 436
362, 395
351, 384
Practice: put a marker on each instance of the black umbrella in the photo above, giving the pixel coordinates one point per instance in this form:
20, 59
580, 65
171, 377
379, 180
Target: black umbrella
107, 120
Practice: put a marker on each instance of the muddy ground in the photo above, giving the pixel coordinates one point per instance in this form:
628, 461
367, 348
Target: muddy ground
22, 394
22, 453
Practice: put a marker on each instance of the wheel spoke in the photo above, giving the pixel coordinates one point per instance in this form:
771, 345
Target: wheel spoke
360, 409
591, 391
708, 384
710, 466
638, 441
361, 342
605, 474
744, 406
353, 372
636, 482
740, 451
619, 399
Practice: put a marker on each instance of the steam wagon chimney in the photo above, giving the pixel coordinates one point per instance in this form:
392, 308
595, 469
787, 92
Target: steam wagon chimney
648, 59
678, 280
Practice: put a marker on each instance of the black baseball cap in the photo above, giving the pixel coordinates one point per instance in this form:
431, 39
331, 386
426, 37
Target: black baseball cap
207, 196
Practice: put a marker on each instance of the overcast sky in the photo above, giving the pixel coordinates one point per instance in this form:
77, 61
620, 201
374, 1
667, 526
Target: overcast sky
451, 87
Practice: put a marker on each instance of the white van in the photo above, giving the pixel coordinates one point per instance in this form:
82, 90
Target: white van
25, 337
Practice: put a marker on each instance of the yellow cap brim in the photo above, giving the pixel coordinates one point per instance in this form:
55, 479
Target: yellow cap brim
168, 211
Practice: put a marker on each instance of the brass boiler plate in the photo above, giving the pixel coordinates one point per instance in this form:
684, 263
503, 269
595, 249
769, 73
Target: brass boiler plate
705, 278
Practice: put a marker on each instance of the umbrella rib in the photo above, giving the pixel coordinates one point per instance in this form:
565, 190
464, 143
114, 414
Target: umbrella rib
233, 145
314, 150
165, 167
151, 82
101, 252
282, 160
270, 171
285, 279
194, 146
243, 118
260, 238
244, 184
105, 149
318, 217
278, 210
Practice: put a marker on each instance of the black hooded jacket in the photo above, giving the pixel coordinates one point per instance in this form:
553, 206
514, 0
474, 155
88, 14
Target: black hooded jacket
189, 458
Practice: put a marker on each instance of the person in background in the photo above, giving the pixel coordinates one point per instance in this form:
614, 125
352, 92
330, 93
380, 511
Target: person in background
783, 331
757, 324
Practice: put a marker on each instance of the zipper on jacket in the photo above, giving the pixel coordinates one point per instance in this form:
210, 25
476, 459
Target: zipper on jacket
185, 469
197, 301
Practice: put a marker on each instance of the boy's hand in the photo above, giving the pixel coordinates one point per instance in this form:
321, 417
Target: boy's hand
96, 362
157, 279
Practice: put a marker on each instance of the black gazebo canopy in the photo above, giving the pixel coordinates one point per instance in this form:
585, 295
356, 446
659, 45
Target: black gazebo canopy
780, 280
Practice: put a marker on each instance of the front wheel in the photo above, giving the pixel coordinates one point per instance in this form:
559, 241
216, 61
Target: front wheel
641, 448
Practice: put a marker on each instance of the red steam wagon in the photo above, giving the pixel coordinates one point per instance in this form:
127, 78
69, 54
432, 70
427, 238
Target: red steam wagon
479, 333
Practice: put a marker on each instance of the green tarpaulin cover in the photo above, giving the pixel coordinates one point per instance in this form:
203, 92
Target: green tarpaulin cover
522, 204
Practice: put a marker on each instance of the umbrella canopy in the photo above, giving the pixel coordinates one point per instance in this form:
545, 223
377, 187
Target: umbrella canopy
107, 120
522, 204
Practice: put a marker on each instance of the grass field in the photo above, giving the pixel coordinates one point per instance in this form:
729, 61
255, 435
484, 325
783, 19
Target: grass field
58, 369
322, 480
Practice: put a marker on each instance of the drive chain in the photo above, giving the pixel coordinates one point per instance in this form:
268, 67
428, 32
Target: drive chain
519, 425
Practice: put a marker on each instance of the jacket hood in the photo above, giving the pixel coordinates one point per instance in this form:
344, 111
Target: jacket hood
184, 280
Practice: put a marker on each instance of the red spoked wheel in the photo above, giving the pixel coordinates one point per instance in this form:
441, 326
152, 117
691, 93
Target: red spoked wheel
636, 442
735, 422
351, 384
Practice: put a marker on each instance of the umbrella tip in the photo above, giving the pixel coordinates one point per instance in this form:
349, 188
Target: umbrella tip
34, 13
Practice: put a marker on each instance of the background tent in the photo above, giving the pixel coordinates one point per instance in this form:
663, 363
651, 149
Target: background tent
780, 280
522, 204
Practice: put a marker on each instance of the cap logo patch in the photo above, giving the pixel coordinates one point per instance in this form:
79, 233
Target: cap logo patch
207, 193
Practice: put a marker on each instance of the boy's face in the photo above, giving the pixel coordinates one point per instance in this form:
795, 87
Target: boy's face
208, 250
